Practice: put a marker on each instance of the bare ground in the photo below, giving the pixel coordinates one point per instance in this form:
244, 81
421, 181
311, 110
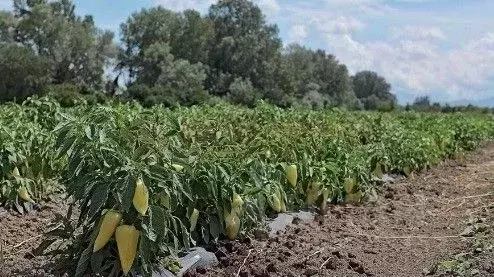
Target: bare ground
21, 234
411, 227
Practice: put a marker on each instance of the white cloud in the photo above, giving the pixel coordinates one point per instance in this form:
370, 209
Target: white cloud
420, 67
298, 33
179, 5
446, 51
366, 6
269, 7
339, 25
419, 32
417, 49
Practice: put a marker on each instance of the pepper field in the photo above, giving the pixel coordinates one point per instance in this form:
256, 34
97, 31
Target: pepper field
188, 176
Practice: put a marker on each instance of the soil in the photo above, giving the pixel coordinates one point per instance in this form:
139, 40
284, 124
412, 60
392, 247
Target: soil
413, 225
20, 235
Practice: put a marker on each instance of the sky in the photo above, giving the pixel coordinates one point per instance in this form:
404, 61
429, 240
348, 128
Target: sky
440, 48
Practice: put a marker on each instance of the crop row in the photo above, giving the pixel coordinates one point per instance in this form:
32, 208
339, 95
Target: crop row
163, 180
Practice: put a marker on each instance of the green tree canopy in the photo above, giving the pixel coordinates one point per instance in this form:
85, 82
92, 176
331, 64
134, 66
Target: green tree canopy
22, 72
185, 34
373, 90
243, 45
76, 49
318, 75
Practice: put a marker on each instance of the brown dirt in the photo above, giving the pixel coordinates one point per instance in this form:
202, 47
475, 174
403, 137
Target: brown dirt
413, 225
21, 234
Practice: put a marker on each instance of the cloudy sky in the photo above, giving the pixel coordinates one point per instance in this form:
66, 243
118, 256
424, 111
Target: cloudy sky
440, 48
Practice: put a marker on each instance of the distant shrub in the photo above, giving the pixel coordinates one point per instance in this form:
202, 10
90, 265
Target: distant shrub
242, 92
69, 95
150, 96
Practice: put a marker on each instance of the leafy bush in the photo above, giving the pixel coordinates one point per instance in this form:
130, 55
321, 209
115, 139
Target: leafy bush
242, 92
69, 95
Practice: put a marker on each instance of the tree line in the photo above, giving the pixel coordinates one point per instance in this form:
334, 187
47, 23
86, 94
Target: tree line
173, 58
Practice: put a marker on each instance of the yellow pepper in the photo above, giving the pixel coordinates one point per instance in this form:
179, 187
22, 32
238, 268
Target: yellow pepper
313, 191
141, 197
24, 194
353, 197
378, 171
237, 204
127, 239
408, 172
108, 225
283, 206
178, 167
348, 185
291, 175
232, 222
324, 200
275, 203
193, 219
15, 172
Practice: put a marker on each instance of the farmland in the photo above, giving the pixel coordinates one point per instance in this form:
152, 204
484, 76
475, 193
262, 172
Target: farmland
194, 175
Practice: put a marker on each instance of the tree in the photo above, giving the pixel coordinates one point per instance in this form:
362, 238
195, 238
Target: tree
243, 45
22, 72
166, 80
194, 39
7, 21
76, 49
142, 30
187, 35
315, 72
373, 90
242, 92
422, 101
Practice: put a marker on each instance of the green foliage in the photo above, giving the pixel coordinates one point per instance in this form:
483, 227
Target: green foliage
424, 104
154, 34
74, 46
100, 151
69, 95
178, 59
27, 142
238, 26
242, 92
23, 73
45, 42
373, 91
159, 77
317, 78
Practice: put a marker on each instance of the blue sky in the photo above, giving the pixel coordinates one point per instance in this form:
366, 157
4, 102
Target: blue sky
440, 48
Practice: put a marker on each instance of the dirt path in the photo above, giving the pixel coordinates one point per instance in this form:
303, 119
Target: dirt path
411, 227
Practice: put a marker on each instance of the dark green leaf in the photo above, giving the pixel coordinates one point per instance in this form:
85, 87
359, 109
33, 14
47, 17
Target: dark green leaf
100, 195
157, 218
145, 249
83, 262
214, 227
128, 193
97, 261
185, 235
